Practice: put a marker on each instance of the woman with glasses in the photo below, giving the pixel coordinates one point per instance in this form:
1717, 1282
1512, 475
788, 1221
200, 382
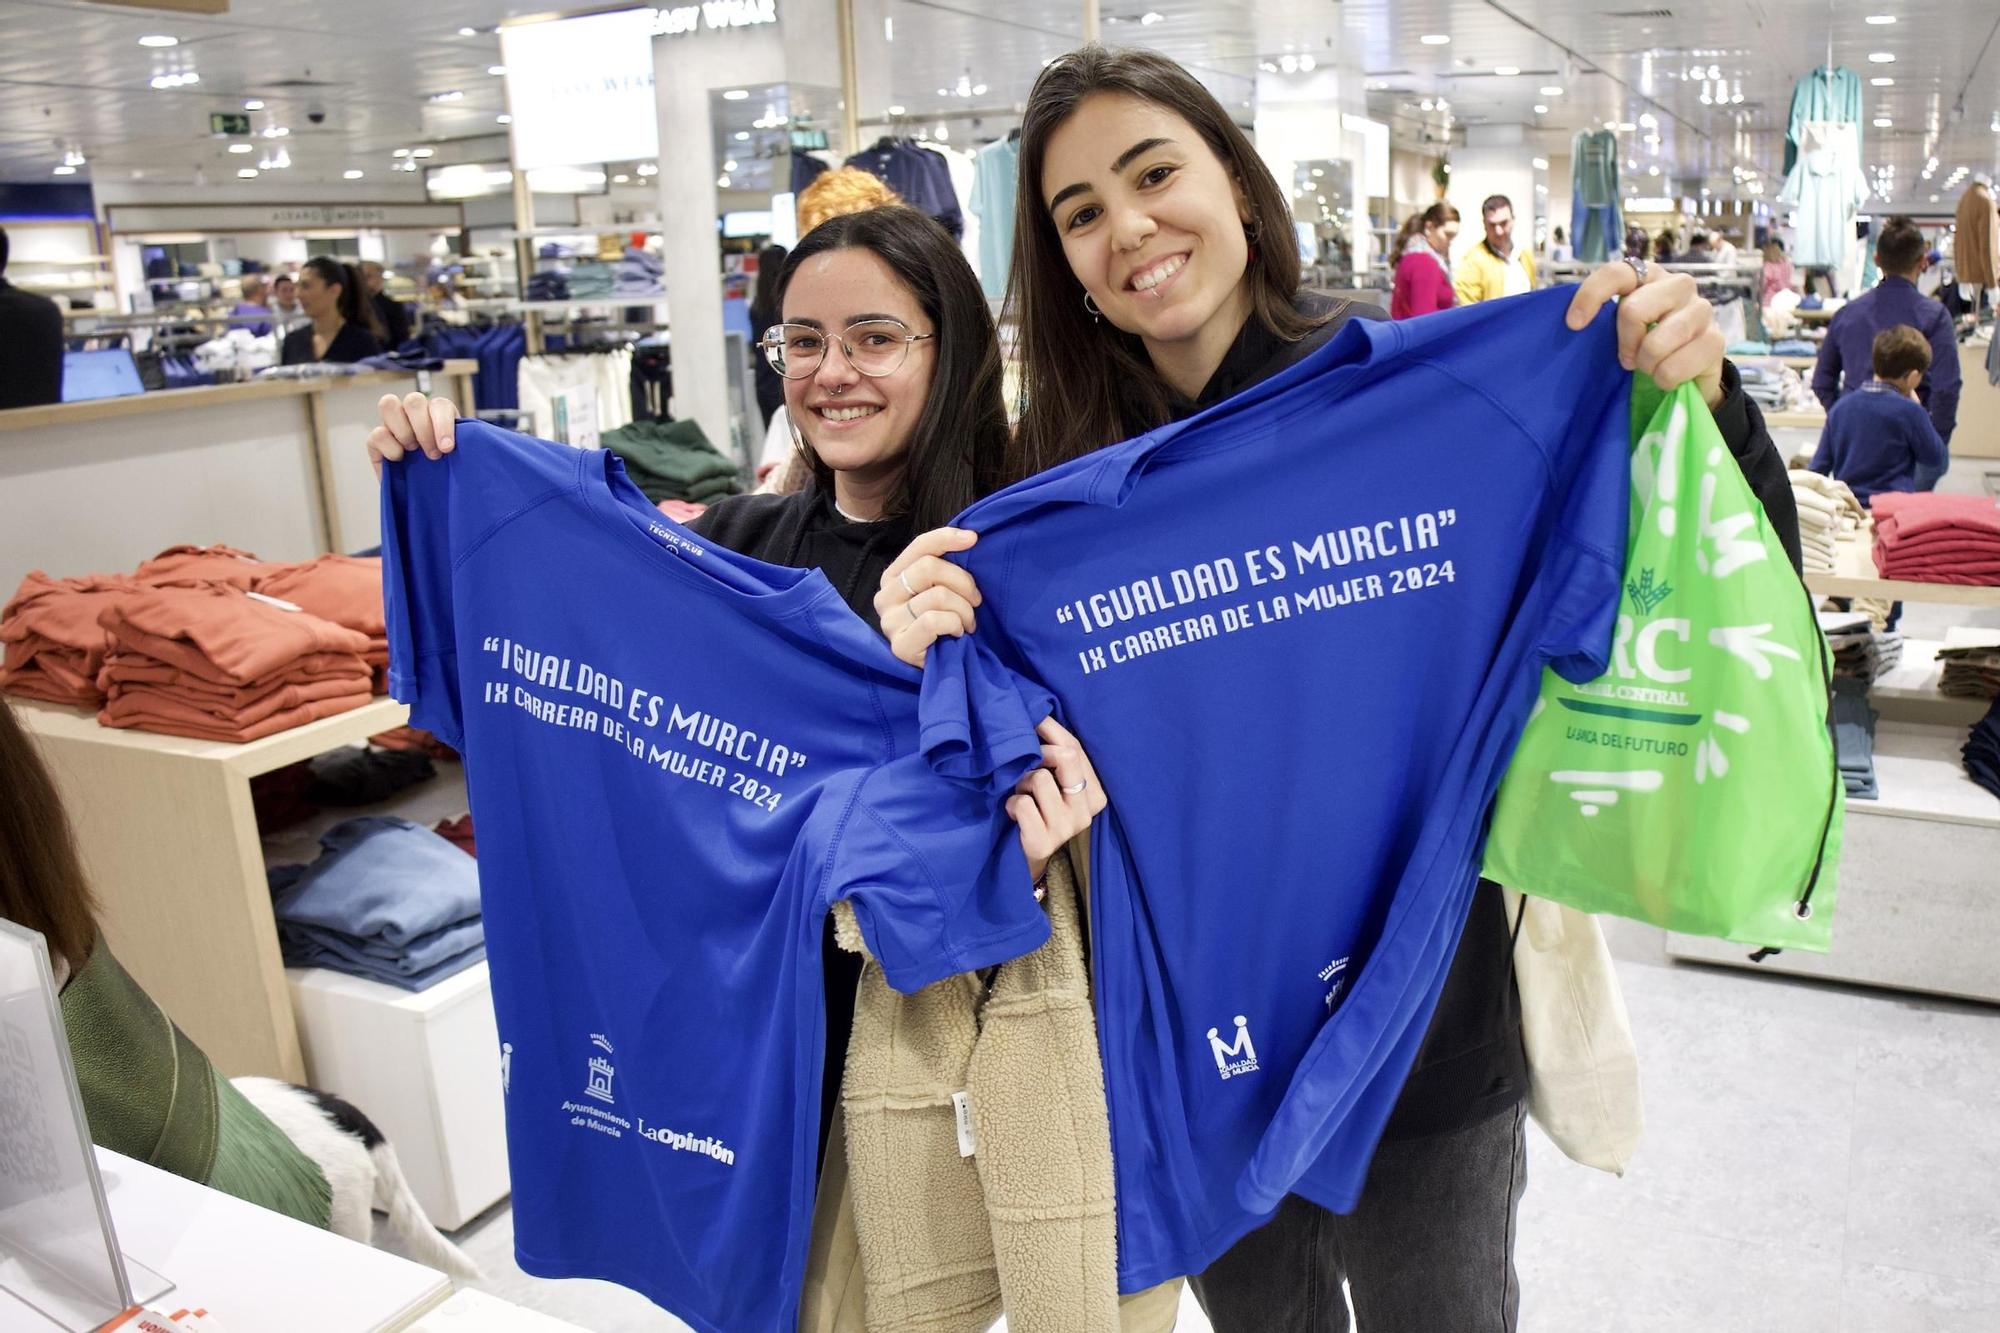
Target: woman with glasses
891, 373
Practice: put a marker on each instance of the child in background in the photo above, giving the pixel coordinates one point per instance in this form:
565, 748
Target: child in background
1880, 438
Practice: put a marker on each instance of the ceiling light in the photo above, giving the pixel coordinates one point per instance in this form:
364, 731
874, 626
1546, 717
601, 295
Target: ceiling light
1506, 71
241, 147
1626, 127
246, 173
1541, 110
1289, 64
1649, 120
722, 182
450, 95
649, 168
1882, 81
979, 89
1436, 39
423, 152
75, 158
895, 110
742, 135
1881, 57
1540, 164
400, 152
1149, 18
1880, 20
468, 32
621, 180
1883, 122
736, 95
352, 174
1652, 171
1306, 64
65, 171
1552, 91
158, 40
730, 165
1427, 104
503, 119
253, 105
496, 70
1934, 198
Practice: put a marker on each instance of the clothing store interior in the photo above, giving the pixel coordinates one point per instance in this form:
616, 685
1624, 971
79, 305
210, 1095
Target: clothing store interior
440, 445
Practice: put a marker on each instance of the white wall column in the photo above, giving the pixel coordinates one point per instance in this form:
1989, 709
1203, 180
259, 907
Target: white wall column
1496, 159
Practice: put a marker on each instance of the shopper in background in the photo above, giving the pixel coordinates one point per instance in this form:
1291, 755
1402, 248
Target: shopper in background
1430, 1246
1777, 274
1636, 244
1559, 251
1880, 438
392, 317
1423, 270
342, 324
1665, 247
841, 191
763, 314
31, 344
1496, 266
1847, 355
248, 310
147, 1090
1699, 250
1723, 249
286, 312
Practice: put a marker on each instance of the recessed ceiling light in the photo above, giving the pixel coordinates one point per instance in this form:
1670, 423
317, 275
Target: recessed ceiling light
1882, 81
159, 39
352, 174
423, 152
65, 171
1652, 171
253, 105
742, 135
246, 173
1506, 71
1541, 110
1540, 164
468, 32
449, 95
242, 148
1149, 18
1552, 91
1881, 57
1883, 122
400, 152
1934, 198
1880, 20
503, 119
1626, 127
496, 70
730, 165
736, 95
722, 182
621, 180
895, 111
1436, 39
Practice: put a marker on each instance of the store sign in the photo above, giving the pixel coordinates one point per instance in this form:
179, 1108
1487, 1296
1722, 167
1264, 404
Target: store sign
679, 20
229, 122
280, 217
581, 90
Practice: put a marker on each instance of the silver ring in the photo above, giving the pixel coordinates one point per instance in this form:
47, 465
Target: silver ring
1638, 266
1078, 789
911, 608
903, 577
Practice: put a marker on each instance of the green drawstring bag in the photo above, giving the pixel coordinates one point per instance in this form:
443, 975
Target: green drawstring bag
1694, 785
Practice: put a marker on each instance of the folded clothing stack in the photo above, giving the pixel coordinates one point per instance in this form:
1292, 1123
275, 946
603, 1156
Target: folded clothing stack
54, 646
386, 899
639, 274
1794, 347
1773, 386
548, 285
1934, 537
215, 662
346, 589
185, 566
1860, 650
673, 460
591, 278
1971, 660
1982, 750
1853, 724
1828, 515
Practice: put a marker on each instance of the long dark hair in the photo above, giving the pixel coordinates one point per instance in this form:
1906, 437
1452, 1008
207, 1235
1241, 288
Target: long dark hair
763, 296
1436, 215
354, 308
41, 877
1086, 383
958, 446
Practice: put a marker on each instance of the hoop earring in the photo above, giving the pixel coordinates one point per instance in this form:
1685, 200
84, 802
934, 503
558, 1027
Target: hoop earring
1091, 306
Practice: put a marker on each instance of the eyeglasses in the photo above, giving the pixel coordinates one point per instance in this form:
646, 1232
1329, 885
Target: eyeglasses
874, 347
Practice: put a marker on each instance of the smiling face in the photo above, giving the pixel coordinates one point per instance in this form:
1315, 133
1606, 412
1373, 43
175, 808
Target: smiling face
1151, 220
857, 424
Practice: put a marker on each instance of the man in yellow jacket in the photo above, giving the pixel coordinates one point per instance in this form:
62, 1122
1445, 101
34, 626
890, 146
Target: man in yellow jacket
1495, 267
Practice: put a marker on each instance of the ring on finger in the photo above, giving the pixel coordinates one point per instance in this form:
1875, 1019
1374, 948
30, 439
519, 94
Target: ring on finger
1078, 789
911, 607
903, 577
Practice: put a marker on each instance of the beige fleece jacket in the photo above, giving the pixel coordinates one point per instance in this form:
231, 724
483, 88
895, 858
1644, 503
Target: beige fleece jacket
1025, 1224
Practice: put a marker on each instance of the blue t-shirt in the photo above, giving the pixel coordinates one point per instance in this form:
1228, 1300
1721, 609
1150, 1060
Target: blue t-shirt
1876, 440
1299, 635
678, 758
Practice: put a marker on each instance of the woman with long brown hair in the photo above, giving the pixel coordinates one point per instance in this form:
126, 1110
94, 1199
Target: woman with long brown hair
1152, 279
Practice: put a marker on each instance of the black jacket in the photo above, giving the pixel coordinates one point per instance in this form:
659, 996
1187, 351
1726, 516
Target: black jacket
394, 317
353, 343
31, 348
1471, 1065
804, 531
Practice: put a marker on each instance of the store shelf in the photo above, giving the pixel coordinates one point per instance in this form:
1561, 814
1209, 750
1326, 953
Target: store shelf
1797, 362
1797, 420
1920, 774
1909, 692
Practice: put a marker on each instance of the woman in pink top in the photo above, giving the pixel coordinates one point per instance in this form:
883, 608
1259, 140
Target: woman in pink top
1423, 273
1777, 272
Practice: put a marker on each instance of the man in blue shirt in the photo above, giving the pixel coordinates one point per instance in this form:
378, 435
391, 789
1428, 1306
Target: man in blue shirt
1847, 355
1879, 438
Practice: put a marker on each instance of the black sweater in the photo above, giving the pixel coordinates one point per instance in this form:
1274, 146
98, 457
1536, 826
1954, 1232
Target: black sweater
1471, 1065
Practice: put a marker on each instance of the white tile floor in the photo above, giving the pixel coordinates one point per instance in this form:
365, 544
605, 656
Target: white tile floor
1816, 1160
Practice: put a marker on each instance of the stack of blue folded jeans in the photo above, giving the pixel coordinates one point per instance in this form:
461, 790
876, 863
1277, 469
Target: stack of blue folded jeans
386, 899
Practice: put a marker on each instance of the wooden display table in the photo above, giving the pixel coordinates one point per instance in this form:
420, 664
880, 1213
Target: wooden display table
169, 841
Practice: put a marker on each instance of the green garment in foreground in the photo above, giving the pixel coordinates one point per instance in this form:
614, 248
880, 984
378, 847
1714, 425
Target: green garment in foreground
673, 460
150, 1093
1694, 784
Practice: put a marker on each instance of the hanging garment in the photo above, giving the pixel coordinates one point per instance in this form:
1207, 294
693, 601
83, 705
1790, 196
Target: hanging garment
539, 379
1825, 94
917, 174
1827, 188
673, 782
1255, 1040
996, 169
1976, 248
1597, 227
